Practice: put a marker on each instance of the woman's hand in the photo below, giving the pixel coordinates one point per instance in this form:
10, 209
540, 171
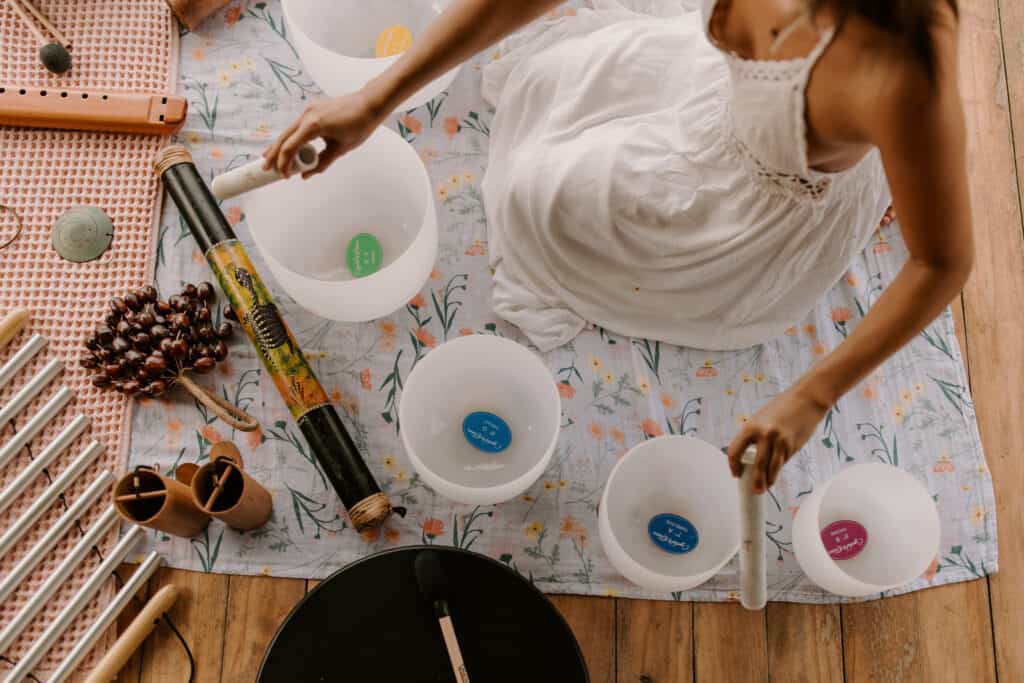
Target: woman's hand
343, 122
779, 430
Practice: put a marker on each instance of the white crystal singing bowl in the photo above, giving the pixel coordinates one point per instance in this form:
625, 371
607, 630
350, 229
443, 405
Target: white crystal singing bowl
303, 229
677, 475
479, 373
335, 40
896, 511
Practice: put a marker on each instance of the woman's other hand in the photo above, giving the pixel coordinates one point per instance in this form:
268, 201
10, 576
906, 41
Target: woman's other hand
343, 122
778, 430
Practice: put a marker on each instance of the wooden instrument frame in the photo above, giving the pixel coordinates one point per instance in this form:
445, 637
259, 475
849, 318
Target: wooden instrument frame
94, 110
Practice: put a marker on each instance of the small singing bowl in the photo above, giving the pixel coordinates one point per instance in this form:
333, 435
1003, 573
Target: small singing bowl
337, 41
480, 417
669, 515
355, 242
869, 529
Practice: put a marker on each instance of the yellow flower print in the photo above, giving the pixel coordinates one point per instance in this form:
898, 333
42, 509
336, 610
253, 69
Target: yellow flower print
468, 176
193, 138
644, 385
742, 420
549, 485
611, 593
899, 413
455, 180
401, 475
906, 396
747, 379
389, 462
595, 363
534, 529
918, 388
442, 192
249, 63
528, 498
977, 516
730, 392
235, 66
563, 484
265, 571
760, 377
224, 78
609, 378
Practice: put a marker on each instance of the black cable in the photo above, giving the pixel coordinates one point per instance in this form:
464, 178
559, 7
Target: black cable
181, 639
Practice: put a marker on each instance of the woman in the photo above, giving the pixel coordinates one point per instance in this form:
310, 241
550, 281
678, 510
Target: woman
704, 177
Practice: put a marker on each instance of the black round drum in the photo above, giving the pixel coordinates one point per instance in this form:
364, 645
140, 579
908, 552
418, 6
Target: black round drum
369, 622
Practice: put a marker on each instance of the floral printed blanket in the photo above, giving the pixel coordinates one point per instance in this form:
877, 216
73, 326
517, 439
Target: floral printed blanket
244, 82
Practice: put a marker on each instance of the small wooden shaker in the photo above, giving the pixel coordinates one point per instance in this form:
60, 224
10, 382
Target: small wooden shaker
147, 498
223, 490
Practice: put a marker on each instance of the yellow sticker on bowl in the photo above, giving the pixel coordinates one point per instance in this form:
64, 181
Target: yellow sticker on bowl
393, 40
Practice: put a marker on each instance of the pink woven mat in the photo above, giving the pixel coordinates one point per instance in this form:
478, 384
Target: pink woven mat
120, 46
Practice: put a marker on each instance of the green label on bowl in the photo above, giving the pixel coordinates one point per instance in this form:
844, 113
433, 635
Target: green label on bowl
365, 255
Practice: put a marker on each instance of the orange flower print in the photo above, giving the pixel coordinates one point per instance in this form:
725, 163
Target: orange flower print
932, 570
465, 331
413, 124
566, 390
211, 434
791, 332
436, 274
198, 54
174, 428
869, 393
810, 330
226, 368
898, 413
364, 379
707, 370
232, 16
216, 153
475, 249
596, 430
424, 337
388, 327
818, 349
392, 534
667, 400
617, 436
851, 280
418, 301
943, 465
883, 245
651, 428
432, 527
451, 126
534, 529
571, 528
371, 535
841, 315
198, 257
254, 438
977, 516
233, 214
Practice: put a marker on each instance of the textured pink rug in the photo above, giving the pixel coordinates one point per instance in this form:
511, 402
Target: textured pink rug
118, 46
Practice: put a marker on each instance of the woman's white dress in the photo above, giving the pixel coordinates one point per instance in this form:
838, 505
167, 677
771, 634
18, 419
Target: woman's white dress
645, 181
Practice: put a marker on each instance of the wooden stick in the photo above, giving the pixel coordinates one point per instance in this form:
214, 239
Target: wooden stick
753, 571
12, 323
28, 22
219, 486
454, 653
133, 636
45, 22
140, 496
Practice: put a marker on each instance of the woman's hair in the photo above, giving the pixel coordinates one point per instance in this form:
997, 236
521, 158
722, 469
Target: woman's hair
910, 20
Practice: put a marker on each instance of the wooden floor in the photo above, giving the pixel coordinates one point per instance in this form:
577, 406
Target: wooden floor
964, 632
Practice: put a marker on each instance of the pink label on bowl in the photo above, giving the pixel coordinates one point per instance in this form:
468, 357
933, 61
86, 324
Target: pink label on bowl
844, 539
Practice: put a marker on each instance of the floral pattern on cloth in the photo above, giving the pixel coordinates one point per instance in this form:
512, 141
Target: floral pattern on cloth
244, 82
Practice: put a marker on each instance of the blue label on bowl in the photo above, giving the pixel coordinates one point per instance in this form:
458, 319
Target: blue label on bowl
672, 533
487, 432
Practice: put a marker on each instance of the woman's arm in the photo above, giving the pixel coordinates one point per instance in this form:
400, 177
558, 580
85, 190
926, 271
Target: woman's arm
920, 132
464, 29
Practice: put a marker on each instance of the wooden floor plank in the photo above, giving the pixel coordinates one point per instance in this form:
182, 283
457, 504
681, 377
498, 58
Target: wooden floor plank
256, 607
994, 93
805, 643
933, 635
730, 644
593, 622
199, 615
655, 642
132, 671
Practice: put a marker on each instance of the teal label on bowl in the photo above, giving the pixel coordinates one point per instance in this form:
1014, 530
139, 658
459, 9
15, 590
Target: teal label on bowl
672, 533
486, 432
844, 539
365, 255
